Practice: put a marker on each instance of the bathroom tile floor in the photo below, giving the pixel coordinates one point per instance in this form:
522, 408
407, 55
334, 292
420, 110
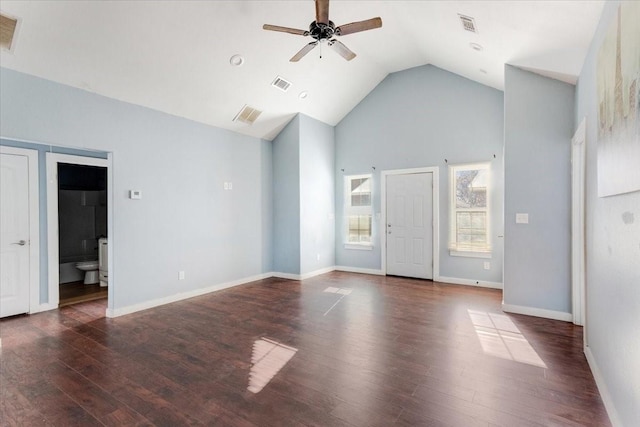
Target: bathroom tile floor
339, 349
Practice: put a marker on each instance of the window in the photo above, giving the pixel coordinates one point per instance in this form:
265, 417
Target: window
358, 211
469, 211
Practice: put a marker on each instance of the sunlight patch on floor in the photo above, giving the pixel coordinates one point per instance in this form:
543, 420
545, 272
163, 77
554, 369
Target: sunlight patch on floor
267, 359
500, 337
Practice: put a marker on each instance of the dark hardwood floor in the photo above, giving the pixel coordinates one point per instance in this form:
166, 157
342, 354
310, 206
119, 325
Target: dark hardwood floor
77, 292
337, 350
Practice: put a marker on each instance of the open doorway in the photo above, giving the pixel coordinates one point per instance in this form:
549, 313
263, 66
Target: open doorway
77, 198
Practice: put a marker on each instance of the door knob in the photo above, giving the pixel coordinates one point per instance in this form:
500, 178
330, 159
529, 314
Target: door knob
21, 243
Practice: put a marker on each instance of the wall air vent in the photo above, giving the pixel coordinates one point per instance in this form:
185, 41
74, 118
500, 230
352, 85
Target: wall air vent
247, 115
281, 84
468, 23
8, 27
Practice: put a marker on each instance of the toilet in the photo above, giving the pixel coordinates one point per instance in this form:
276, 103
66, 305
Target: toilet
91, 275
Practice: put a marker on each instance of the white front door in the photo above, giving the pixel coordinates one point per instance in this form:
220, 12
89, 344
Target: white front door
14, 235
409, 227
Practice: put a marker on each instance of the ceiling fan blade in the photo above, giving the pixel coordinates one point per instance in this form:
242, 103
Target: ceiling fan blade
322, 11
356, 27
308, 48
285, 30
342, 50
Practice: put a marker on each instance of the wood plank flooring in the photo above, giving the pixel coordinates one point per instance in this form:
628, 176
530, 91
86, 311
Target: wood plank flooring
76, 292
371, 351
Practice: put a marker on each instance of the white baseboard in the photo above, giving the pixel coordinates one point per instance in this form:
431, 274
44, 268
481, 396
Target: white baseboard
182, 295
292, 276
44, 307
469, 282
288, 276
538, 312
317, 272
359, 270
602, 388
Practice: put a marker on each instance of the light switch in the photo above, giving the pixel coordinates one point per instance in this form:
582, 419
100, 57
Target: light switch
135, 194
522, 218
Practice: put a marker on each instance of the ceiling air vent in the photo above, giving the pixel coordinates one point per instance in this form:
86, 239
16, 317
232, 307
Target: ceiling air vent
247, 115
281, 84
7, 31
468, 23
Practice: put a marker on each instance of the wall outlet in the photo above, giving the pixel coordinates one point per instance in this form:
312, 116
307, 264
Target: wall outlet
522, 218
487, 265
181, 275
318, 257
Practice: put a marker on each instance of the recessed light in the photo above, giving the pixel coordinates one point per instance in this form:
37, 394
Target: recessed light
476, 46
236, 60
303, 94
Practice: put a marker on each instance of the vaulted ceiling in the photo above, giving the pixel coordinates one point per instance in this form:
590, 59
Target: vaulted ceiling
174, 56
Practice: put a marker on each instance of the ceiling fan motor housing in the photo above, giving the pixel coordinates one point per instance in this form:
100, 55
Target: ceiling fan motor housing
322, 31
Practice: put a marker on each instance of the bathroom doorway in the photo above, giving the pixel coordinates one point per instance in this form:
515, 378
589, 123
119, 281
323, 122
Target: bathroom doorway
77, 198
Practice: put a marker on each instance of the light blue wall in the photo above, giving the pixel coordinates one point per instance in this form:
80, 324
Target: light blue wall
613, 260
185, 220
317, 224
538, 129
286, 199
419, 118
42, 198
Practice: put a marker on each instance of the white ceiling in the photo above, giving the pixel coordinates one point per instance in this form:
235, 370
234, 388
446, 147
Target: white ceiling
173, 56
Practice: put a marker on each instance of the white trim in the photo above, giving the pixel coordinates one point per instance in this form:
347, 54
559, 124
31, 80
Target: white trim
434, 170
578, 288
288, 276
317, 272
182, 296
34, 222
359, 270
469, 282
603, 389
358, 247
537, 312
292, 276
44, 307
469, 254
52, 218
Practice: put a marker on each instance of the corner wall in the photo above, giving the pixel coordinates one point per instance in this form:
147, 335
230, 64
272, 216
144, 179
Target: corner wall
537, 139
303, 163
612, 261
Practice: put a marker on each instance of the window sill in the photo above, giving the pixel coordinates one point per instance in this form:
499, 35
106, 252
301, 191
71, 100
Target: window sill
470, 254
358, 246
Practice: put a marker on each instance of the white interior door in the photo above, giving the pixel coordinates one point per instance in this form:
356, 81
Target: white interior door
409, 215
14, 235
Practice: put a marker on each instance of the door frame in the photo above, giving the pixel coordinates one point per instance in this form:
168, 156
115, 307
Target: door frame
578, 247
435, 207
34, 223
52, 218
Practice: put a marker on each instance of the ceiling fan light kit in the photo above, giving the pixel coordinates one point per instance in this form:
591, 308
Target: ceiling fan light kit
322, 29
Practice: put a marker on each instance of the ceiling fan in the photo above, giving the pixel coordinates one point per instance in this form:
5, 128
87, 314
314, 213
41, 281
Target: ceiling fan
322, 29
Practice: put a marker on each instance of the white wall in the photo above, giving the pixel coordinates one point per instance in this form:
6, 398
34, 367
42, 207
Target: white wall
538, 130
613, 263
418, 118
185, 221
